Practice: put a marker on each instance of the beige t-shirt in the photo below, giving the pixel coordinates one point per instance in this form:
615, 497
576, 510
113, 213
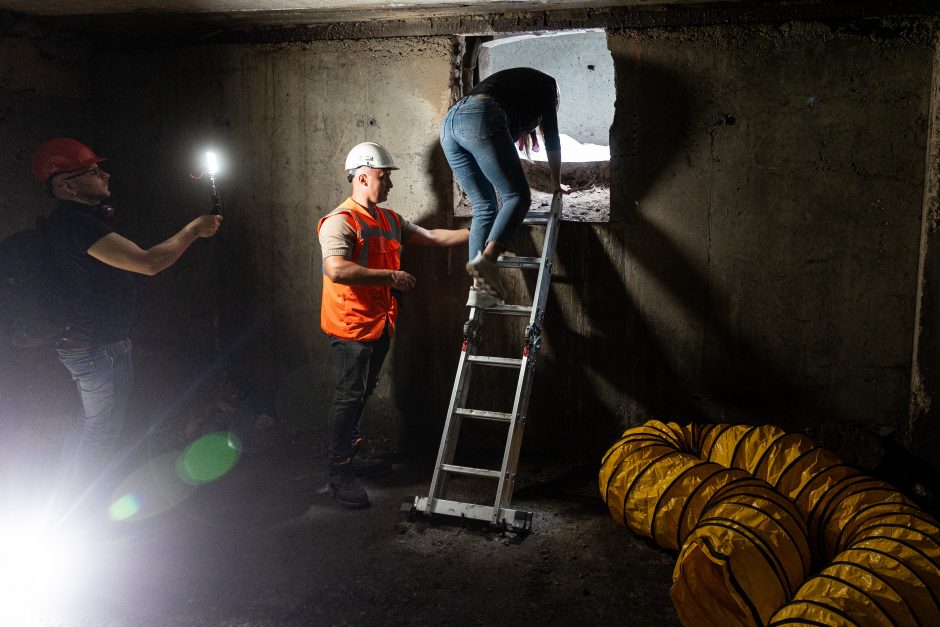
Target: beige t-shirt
338, 237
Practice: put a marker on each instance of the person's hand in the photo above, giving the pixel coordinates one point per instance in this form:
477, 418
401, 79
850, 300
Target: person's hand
207, 225
562, 189
402, 281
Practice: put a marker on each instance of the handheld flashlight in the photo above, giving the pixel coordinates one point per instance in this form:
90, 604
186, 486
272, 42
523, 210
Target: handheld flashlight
212, 168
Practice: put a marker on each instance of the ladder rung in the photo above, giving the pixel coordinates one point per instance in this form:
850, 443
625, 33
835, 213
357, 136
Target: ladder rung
537, 217
497, 416
528, 263
502, 362
473, 472
510, 310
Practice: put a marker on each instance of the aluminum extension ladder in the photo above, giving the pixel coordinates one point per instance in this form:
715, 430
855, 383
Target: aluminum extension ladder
499, 514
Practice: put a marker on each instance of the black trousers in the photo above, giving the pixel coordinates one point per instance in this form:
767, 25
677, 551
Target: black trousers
356, 369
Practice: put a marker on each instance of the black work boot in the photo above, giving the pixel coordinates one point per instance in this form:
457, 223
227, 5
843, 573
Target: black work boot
364, 466
344, 487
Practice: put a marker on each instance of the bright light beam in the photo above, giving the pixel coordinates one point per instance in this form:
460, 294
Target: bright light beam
212, 168
212, 163
38, 564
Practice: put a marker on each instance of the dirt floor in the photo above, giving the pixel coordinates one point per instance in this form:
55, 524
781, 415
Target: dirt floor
265, 545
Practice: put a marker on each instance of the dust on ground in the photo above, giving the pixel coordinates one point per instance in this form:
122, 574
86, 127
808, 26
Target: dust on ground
265, 545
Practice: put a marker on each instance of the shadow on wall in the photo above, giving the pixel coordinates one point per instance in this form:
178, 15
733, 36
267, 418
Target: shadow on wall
616, 364
429, 327
629, 349
623, 365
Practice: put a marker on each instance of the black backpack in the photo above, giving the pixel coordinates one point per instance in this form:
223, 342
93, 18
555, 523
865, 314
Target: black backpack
32, 309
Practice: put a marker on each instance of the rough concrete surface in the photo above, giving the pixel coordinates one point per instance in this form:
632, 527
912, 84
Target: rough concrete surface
760, 262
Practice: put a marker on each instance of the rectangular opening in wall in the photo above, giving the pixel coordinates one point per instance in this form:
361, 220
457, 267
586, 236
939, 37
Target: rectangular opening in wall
584, 72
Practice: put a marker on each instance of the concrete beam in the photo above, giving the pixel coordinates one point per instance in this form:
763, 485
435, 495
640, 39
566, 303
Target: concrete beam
469, 19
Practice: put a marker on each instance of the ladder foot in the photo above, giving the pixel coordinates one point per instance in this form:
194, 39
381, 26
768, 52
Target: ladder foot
408, 507
522, 523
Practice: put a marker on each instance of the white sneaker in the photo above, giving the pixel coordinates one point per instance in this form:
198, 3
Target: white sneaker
487, 274
482, 300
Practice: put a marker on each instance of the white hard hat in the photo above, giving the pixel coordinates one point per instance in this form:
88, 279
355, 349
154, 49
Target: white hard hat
370, 155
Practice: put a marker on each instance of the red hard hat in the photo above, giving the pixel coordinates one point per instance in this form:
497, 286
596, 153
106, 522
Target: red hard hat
62, 154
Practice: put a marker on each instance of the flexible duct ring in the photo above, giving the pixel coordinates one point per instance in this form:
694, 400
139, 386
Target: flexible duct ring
751, 507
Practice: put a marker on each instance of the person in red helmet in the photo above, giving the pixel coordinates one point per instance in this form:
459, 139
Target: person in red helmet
96, 267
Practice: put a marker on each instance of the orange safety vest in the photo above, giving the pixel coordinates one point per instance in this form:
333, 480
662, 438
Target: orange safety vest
360, 312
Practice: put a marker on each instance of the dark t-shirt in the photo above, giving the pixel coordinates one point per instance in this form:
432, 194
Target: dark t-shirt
100, 297
528, 98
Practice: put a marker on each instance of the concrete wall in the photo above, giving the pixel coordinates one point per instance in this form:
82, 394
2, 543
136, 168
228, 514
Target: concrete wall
768, 215
283, 117
44, 92
761, 263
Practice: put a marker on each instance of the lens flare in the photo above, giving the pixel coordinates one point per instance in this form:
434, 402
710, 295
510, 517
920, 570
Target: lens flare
208, 458
151, 489
125, 507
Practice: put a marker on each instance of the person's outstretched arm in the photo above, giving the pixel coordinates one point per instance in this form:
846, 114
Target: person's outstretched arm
438, 237
554, 168
120, 252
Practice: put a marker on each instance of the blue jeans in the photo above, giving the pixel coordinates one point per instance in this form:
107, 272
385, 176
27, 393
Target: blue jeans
482, 154
356, 367
104, 375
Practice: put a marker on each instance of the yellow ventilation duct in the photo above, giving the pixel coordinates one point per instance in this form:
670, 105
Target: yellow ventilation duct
744, 549
744, 504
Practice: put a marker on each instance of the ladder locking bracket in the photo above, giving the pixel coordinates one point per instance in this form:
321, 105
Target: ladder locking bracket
532, 330
470, 329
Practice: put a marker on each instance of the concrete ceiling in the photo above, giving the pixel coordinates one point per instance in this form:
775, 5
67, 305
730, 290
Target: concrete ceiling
293, 12
140, 20
115, 15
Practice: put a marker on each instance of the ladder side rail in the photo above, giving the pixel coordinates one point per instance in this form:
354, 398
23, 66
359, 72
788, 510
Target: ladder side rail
458, 398
549, 243
507, 477
519, 416
499, 514
527, 373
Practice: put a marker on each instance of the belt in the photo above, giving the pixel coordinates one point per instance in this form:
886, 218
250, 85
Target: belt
73, 344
